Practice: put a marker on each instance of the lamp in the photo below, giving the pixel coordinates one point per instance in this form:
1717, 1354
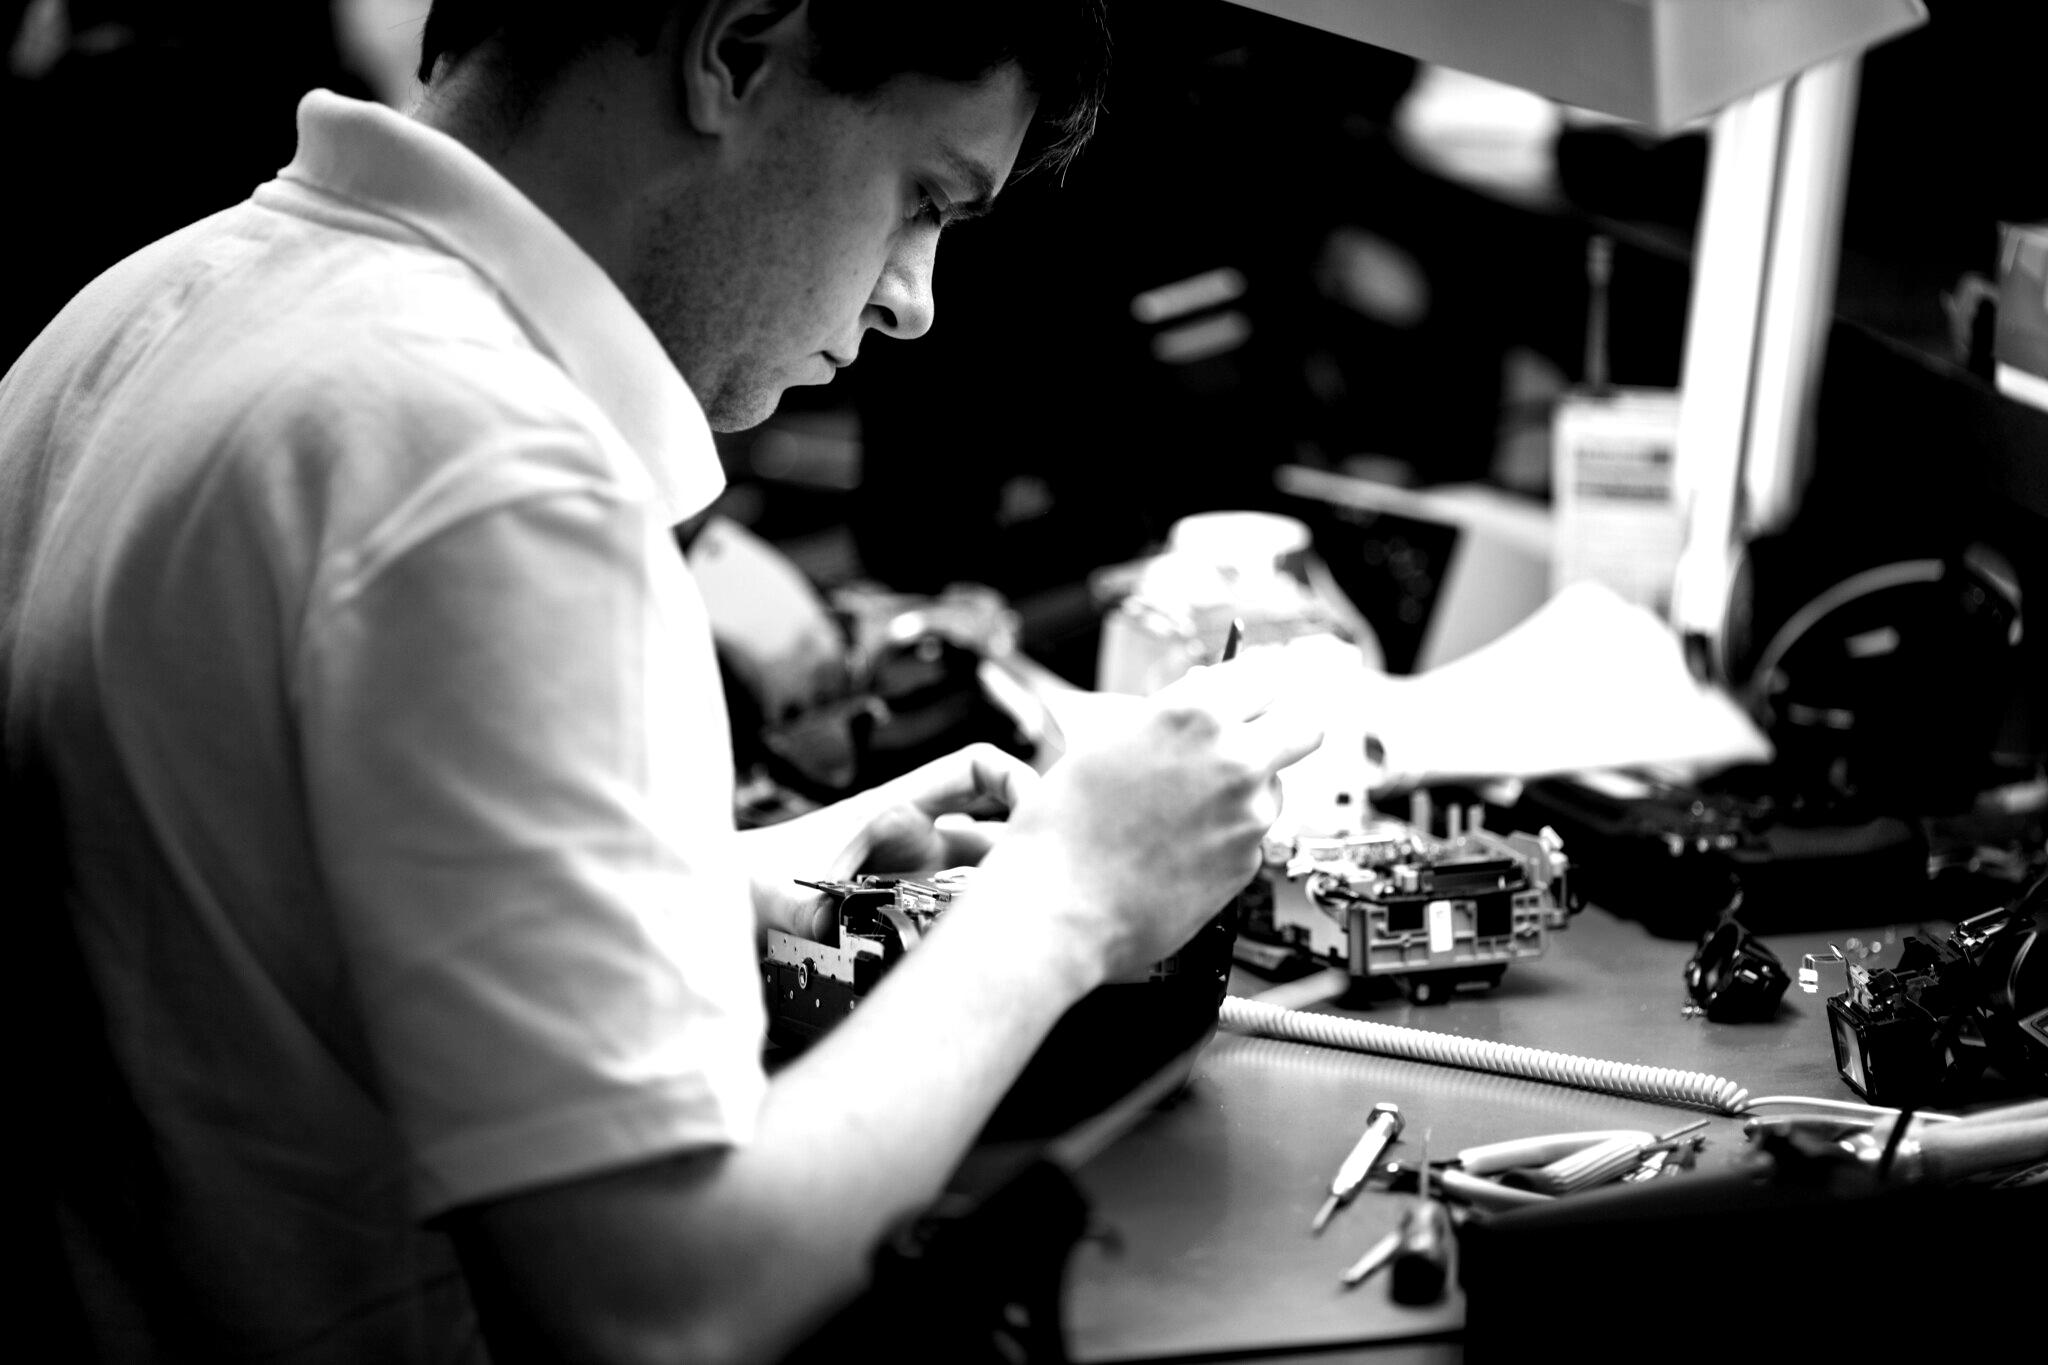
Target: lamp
1778, 78
1661, 63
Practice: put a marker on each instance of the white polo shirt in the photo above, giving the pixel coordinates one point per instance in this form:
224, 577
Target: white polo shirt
347, 655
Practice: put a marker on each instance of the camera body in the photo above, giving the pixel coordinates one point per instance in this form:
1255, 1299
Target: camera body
1927, 1030
1120, 1034
812, 985
1439, 913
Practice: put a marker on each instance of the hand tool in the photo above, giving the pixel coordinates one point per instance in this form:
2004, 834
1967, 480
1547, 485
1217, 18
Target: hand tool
1376, 1255
1469, 1176
1422, 1261
1650, 1167
1380, 1130
1596, 1164
1478, 1191
1232, 640
1683, 1157
1541, 1150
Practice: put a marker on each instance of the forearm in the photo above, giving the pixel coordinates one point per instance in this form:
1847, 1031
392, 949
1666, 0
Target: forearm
735, 1257
910, 1076
1115, 859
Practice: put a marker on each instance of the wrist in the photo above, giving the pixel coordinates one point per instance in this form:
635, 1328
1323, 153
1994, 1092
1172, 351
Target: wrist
1032, 914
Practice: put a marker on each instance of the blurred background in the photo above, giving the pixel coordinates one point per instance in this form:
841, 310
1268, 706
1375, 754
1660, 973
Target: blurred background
1282, 250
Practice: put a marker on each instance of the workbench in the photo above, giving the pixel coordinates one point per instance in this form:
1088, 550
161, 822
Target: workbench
1202, 1209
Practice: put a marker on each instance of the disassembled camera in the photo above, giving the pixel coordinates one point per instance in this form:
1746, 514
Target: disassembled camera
1115, 1037
1928, 1029
1440, 913
812, 985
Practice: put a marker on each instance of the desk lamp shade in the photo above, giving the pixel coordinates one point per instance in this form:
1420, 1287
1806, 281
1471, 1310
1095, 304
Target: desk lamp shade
1661, 63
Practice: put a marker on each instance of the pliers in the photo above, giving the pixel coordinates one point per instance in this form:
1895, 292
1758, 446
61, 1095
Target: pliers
1533, 1170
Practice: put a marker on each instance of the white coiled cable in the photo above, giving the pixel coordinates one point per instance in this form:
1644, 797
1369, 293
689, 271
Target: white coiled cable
1659, 1083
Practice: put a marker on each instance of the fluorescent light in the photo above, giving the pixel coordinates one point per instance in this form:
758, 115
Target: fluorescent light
1662, 63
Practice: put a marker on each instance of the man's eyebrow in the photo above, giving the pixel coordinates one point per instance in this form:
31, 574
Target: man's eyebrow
979, 179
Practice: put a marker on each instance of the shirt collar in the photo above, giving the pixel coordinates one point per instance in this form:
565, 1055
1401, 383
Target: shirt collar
384, 162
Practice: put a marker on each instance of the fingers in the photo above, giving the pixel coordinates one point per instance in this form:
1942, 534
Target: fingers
779, 903
965, 840
817, 919
901, 839
1240, 689
977, 780
1276, 740
1263, 744
897, 839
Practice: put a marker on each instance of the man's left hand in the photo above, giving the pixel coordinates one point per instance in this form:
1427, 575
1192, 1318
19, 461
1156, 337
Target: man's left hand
934, 817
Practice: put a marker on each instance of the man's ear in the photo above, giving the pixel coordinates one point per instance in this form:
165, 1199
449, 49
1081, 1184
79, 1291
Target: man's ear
729, 49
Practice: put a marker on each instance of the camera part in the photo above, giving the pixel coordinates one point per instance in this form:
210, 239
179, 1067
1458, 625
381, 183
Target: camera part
1929, 1030
1437, 913
1734, 977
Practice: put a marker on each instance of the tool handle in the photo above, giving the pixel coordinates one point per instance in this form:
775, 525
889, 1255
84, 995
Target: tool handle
1357, 1167
1540, 1151
1375, 1256
1595, 1165
1365, 1154
1422, 1265
1490, 1195
1234, 639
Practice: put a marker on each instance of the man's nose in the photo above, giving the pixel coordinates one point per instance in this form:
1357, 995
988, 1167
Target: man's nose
901, 305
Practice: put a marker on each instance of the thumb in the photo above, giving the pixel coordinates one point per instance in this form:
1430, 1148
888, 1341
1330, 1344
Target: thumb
896, 839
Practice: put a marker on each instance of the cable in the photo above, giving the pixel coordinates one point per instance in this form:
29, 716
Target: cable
1842, 1107
1478, 1054
1856, 585
1891, 1144
1695, 1088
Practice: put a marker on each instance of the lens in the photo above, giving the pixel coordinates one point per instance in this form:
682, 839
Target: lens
1849, 1053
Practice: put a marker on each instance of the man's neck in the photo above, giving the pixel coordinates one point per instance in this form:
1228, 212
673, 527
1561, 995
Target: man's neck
581, 147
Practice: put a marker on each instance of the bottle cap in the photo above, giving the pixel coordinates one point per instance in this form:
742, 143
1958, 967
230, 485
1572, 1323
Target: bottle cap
1238, 539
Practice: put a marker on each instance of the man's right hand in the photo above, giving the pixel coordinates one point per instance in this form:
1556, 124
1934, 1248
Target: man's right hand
1114, 859
1134, 841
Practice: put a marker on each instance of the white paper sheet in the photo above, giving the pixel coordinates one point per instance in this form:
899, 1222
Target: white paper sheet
1588, 681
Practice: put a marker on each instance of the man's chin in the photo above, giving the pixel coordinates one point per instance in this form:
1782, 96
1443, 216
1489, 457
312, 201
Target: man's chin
737, 412
725, 426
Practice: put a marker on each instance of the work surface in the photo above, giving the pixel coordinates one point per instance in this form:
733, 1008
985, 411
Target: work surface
1208, 1200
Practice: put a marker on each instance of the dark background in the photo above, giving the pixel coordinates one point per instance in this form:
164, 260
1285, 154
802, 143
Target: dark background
1035, 436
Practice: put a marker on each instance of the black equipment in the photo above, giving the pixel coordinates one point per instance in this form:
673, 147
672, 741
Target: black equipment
1927, 1030
1114, 1037
1734, 977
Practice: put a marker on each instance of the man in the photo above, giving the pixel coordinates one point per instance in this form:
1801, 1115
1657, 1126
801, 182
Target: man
371, 735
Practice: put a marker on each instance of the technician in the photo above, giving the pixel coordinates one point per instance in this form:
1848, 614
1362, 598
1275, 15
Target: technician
366, 741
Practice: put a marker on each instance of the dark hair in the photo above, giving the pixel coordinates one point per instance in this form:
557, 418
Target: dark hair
858, 46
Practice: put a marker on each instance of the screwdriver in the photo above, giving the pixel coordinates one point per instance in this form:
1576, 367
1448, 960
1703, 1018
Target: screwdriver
1422, 1263
1376, 1255
1380, 1130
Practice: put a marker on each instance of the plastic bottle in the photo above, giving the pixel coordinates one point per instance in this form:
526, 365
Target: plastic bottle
1217, 567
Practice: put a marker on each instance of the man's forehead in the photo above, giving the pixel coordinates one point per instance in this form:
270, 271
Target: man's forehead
974, 130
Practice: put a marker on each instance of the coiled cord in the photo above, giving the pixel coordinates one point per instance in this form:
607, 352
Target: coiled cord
1662, 1084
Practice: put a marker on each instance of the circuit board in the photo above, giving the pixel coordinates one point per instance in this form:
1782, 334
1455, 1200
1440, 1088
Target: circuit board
1440, 912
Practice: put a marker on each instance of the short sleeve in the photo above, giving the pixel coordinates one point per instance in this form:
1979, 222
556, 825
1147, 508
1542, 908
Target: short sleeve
520, 782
